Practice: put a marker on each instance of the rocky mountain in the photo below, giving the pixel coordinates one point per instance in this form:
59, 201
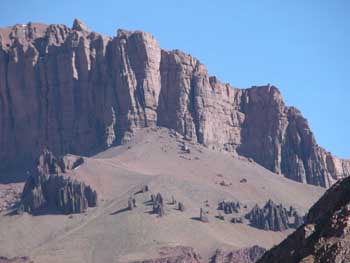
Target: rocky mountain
72, 90
325, 236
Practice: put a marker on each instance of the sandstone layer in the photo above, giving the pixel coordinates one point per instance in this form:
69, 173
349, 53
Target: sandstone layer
75, 91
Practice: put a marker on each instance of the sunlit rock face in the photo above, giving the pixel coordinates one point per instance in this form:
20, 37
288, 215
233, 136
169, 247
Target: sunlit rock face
75, 91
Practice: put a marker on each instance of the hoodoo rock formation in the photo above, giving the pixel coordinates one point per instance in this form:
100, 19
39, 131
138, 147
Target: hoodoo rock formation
326, 235
62, 87
47, 187
270, 217
229, 207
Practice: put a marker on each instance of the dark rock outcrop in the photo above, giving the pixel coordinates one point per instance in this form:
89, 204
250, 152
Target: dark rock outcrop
79, 161
237, 220
158, 205
61, 87
325, 237
178, 254
243, 255
298, 220
131, 204
204, 215
229, 207
181, 207
15, 260
270, 217
49, 187
145, 189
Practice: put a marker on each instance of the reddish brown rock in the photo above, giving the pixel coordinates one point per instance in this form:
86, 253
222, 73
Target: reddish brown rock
75, 91
326, 235
243, 255
178, 254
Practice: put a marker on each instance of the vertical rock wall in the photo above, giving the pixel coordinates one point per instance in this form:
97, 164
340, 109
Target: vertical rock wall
75, 91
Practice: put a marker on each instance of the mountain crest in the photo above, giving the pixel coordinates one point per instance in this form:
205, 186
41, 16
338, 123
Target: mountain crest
79, 26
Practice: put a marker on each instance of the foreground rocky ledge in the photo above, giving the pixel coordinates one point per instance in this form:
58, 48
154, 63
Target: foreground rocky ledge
326, 235
243, 255
181, 254
61, 87
48, 187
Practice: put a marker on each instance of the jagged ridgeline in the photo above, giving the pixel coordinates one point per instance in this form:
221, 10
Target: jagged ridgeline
75, 91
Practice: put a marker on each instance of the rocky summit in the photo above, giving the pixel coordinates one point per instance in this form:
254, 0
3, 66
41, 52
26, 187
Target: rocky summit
325, 236
73, 90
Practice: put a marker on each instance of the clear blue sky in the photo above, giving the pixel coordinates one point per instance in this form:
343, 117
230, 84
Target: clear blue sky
302, 47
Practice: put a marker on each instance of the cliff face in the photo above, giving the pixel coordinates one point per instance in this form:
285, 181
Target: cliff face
72, 90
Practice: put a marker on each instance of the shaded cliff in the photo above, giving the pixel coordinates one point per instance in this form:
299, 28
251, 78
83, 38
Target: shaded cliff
75, 91
325, 236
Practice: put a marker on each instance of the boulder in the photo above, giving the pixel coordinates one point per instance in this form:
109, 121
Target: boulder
181, 207
131, 203
237, 220
158, 205
203, 215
